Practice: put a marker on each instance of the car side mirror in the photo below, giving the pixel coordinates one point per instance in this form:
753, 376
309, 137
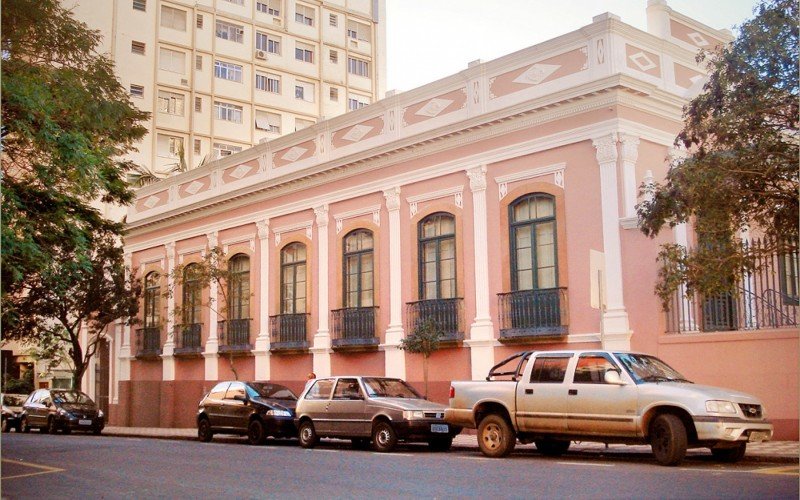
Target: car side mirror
613, 377
240, 397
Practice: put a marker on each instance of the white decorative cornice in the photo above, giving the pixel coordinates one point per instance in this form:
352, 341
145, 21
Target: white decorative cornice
477, 178
557, 168
392, 196
457, 192
375, 210
249, 239
280, 231
606, 148
263, 229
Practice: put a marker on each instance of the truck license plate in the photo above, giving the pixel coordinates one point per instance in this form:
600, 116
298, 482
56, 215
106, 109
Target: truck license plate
758, 436
440, 428
84, 422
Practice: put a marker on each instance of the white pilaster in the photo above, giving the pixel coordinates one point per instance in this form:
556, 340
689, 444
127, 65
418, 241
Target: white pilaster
630, 154
616, 331
395, 358
261, 350
212, 344
123, 367
322, 339
168, 353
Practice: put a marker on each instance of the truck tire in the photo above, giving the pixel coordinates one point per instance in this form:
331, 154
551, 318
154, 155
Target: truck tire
668, 439
730, 455
552, 447
496, 438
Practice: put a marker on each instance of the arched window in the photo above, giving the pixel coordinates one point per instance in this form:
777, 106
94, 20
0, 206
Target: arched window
533, 243
359, 275
437, 257
152, 300
239, 287
192, 295
293, 279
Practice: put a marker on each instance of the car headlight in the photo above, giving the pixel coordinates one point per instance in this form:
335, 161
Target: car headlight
62, 412
715, 406
100, 414
279, 413
413, 414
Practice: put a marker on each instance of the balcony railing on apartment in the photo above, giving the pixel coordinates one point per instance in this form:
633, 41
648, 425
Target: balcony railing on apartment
148, 342
187, 338
354, 328
529, 314
288, 332
446, 314
234, 335
764, 297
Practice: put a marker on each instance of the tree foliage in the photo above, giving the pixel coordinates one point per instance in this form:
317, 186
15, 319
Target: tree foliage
424, 340
741, 170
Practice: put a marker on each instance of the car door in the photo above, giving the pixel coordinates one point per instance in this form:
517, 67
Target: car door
235, 407
33, 408
542, 397
214, 404
347, 409
595, 407
315, 405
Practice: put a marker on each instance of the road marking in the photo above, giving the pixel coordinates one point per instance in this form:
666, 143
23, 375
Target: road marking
793, 470
45, 469
322, 451
393, 454
587, 464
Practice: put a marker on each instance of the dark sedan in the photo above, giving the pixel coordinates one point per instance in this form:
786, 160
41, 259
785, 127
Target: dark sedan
52, 410
253, 409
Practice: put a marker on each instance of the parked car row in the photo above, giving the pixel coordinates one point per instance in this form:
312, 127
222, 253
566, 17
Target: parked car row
52, 410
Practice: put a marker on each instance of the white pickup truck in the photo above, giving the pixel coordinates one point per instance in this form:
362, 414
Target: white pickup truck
552, 398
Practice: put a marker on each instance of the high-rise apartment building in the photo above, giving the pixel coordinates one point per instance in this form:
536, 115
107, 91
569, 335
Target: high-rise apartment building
219, 76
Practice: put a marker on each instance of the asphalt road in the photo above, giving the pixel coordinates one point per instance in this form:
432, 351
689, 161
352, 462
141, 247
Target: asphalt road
85, 466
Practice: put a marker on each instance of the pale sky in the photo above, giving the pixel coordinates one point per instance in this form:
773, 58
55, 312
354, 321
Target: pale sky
431, 39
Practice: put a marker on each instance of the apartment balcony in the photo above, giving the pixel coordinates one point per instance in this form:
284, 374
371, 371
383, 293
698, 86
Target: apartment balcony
148, 342
188, 339
288, 333
354, 329
532, 314
234, 336
447, 315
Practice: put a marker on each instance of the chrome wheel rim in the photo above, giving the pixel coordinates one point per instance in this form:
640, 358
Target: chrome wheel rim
492, 436
383, 437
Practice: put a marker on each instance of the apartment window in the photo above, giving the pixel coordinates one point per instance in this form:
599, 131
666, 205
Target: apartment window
173, 18
228, 71
304, 15
172, 60
303, 52
358, 269
269, 83
304, 91
300, 124
334, 94
355, 102
334, 56
239, 287
137, 48
198, 104
221, 149
137, 90
333, 20
293, 279
140, 5
170, 103
437, 257
198, 146
152, 300
271, 122
228, 112
198, 63
533, 243
169, 146
199, 21
192, 295
268, 43
358, 31
272, 7
229, 31
236, 2
357, 67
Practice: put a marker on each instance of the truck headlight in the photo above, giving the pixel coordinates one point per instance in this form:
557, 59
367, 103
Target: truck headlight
415, 414
279, 413
715, 406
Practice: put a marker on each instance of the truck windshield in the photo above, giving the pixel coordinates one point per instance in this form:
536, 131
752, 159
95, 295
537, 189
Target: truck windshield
644, 368
389, 388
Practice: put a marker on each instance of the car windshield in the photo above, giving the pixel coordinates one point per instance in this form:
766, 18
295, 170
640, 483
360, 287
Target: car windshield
71, 397
644, 368
389, 388
11, 400
270, 391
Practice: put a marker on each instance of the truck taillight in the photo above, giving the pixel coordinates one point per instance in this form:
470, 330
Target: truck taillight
452, 392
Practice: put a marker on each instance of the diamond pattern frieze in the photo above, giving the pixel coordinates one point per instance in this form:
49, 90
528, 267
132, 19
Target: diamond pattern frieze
194, 187
434, 107
357, 133
536, 74
294, 153
151, 201
240, 171
698, 39
643, 62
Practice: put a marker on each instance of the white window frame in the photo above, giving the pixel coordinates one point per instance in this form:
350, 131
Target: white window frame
304, 14
221, 149
269, 122
304, 91
268, 43
272, 7
355, 102
228, 112
358, 67
304, 52
173, 146
268, 82
228, 71
173, 18
229, 31
173, 61
171, 103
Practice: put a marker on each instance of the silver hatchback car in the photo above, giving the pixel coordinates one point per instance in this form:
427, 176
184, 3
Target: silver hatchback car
383, 410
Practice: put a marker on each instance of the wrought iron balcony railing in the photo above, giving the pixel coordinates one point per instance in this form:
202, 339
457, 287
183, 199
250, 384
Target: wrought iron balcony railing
354, 327
446, 314
188, 338
148, 341
527, 314
234, 335
288, 332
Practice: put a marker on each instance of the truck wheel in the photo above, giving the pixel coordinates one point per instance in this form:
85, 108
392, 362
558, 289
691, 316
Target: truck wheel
496, 438
552, 447
307, 435
730, 455
384, 437
668, 439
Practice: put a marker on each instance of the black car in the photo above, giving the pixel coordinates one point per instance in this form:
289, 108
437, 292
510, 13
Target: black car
51, 410
254, 409
12, 410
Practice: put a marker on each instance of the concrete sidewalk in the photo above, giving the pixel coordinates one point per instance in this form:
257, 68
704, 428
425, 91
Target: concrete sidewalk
772, 451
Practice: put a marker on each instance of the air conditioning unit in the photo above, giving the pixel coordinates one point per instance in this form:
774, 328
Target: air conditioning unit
260, 54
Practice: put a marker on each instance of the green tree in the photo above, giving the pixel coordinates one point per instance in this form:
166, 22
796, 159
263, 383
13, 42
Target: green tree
75, 294
741, 171
424, 340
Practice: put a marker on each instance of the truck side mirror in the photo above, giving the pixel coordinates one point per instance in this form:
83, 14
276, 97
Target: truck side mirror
613, 377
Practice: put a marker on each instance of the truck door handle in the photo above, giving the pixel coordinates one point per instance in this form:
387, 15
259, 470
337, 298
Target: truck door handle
528, 391
573, 392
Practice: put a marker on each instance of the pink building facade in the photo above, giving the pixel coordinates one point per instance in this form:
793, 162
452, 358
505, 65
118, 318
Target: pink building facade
498, 202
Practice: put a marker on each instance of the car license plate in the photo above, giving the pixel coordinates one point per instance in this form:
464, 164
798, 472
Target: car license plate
84, 422
758, 436
440, 428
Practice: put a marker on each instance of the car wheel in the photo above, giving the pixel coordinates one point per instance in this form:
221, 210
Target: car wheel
23, 425
668, 439
52, 428
6, 427
441, 443
204, 433
307, 435
384, 437
496, 438
730, 455
255, 432
552, 447
360, 443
